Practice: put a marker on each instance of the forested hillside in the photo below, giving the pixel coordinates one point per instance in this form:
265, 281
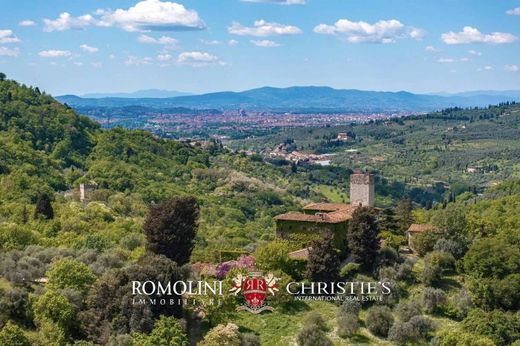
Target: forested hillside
66, 264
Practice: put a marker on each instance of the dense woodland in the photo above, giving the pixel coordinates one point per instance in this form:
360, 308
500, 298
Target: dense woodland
169, 210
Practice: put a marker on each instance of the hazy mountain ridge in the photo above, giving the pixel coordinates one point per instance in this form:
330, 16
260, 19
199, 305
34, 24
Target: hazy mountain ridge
305, 98
147, 93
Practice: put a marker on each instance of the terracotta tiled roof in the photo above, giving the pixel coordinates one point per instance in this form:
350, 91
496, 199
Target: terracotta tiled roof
300, 254
327, 206
421, 227
334, 217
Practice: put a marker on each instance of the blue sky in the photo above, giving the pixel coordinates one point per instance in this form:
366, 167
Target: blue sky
72, 46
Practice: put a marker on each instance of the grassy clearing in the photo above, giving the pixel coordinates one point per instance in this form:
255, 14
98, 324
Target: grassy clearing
332, 194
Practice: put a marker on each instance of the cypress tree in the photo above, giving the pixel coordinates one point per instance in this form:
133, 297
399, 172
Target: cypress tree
323, 262
363, 237
44, 207
170, 228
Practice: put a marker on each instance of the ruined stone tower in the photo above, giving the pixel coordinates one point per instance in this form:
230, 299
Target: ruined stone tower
362, 189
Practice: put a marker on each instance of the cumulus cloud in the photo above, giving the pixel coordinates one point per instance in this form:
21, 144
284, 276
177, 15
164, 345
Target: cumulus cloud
198, 59
473, 35
210, 42
262, 28
232, 42
167, 41
67, 22
27, 22
514, 11
164, 57
511, 68
488, 68
265, 43
54, 53
7, 36
88, 49
451, 60
153, 15
431, 49
383, 31
474, 52
136, 61
278, 2
11, 52
146, 15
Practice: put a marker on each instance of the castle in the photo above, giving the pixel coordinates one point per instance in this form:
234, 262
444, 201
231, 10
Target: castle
333, 217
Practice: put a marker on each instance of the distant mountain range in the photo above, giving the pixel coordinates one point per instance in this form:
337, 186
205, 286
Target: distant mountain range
306, 99
147, 93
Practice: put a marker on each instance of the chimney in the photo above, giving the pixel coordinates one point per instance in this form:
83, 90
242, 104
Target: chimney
362, 189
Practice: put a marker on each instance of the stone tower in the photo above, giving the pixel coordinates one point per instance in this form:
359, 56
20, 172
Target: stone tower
362, 189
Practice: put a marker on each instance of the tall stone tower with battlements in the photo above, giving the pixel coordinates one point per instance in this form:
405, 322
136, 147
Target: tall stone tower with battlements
362, 189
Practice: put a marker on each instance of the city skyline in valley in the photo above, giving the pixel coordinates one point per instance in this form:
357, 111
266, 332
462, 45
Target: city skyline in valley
205, 46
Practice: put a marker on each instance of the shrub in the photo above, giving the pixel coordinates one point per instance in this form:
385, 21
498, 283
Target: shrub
70, 273
414, 330
12, 335
379, 320
501, 327
222, 335
350, 306
312, 336
457, 337
424, 242
169, 332
347, 324
406, 310
456, 248
349, 270
314, 318
433, 299
250, 339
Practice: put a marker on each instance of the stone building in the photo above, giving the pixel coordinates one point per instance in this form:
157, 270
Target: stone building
334, 217
362, 189
85, 191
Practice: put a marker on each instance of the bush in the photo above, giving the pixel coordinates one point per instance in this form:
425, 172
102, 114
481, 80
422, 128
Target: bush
379, 320
501, 327
433, 299
457, 337
406, 310
70, 273
456, 248
314, 318
350, 306
250, 339
347, 324
222, 335
312, 336
349, 270
424, 242
414, 330
12, 335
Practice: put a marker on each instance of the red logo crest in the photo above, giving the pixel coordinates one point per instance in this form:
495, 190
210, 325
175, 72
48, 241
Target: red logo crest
255, 288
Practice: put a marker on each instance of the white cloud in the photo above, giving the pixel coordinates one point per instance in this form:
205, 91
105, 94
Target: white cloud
511, 68
473, 35
278, 2
198, 59
78, 63
488, 68
167, 41
88, 49
451, 60
431, 49
96, 64
27, 22
66, 22
164, 57
262, 28
474, 52
514, 11
7, 36
383, 31
54, 53
12, 52
210, 42
232, 42
150, 15
446, 60
265, 43
133, 60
